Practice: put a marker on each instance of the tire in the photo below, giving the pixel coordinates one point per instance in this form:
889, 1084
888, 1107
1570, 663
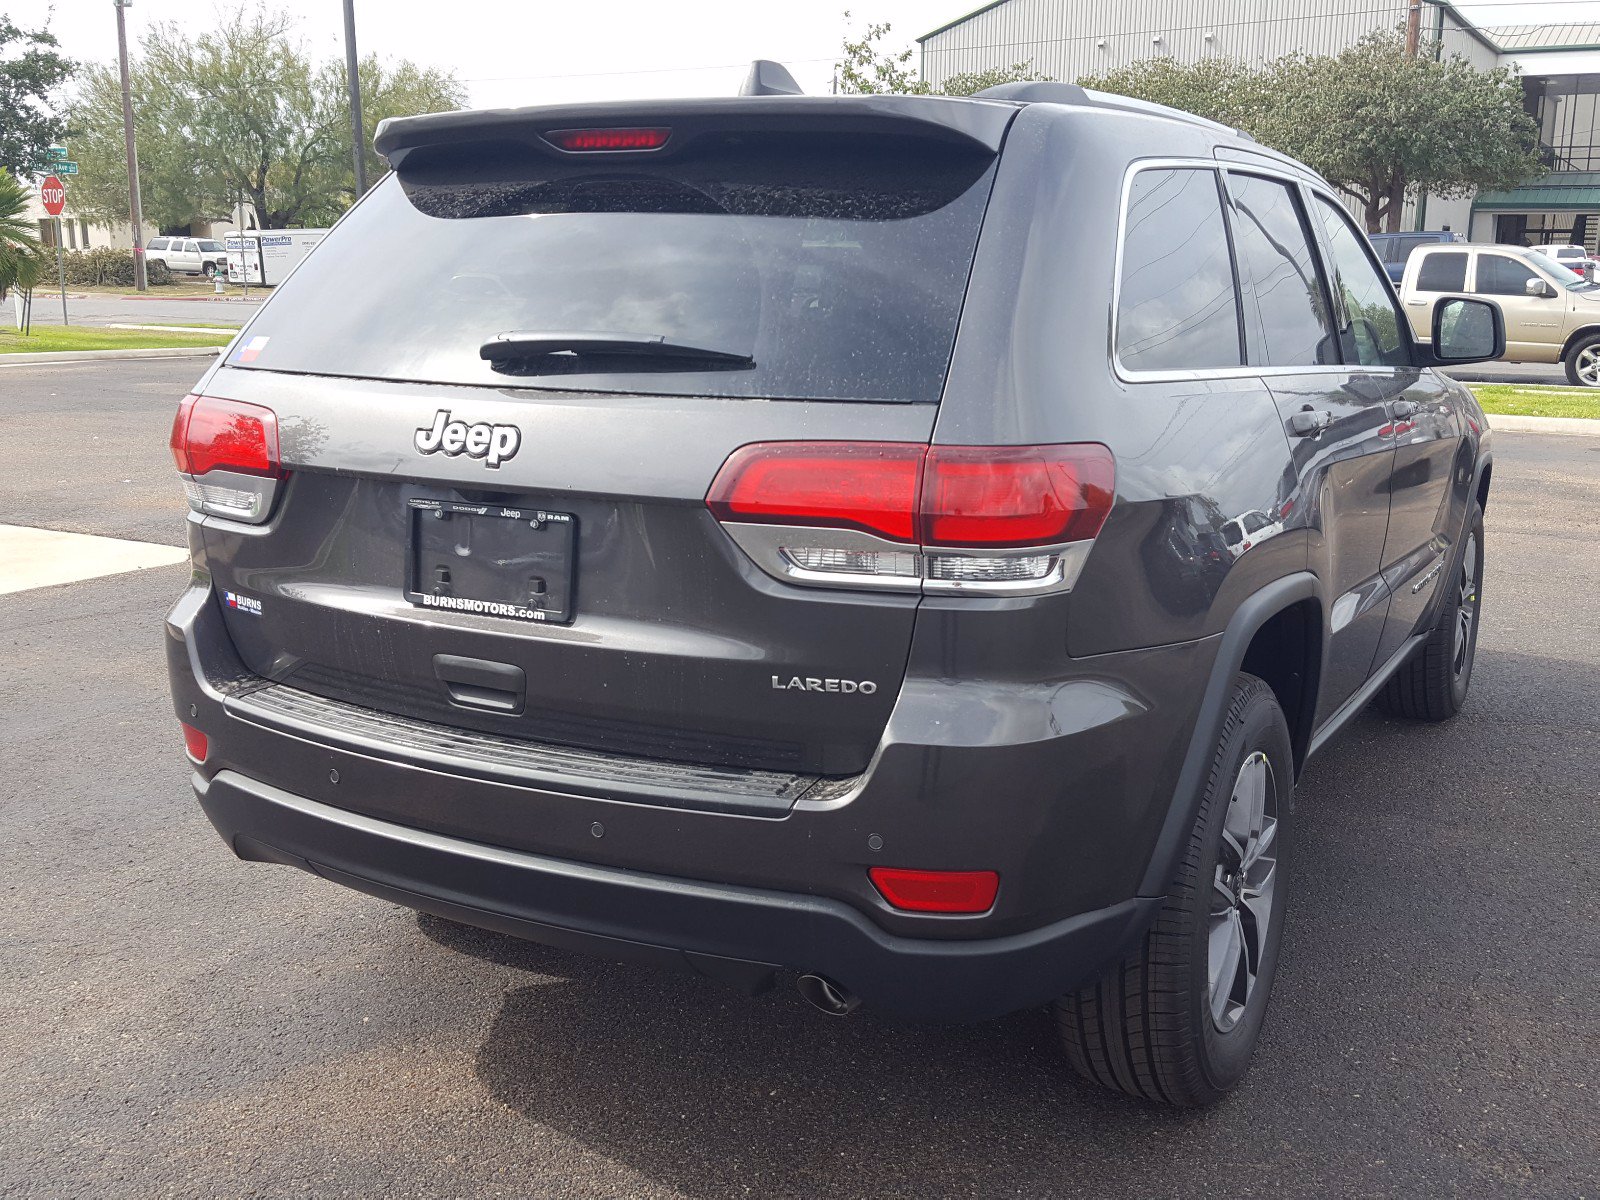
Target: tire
1583, 362
1432, 685
208, 270
1153, 1026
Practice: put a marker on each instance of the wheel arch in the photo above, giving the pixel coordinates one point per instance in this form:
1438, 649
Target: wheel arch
1576, 336
1286, 616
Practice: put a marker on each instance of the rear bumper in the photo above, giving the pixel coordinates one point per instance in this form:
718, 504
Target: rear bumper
734, 934
1059, 785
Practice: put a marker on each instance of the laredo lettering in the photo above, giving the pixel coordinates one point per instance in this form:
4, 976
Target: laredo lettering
492, 443
811, 684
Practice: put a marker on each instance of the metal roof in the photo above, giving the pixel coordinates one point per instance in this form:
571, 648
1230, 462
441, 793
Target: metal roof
1523, 39
1565, 189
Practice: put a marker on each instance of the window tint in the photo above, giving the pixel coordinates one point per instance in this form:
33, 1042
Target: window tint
158, 244
191, 248
1500, 275
211, 247
1383, 246
1177, 306
1286, 311
1405, 246
1372, 333
1443, 273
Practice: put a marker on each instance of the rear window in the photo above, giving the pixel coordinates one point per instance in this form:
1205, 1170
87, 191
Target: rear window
836, 266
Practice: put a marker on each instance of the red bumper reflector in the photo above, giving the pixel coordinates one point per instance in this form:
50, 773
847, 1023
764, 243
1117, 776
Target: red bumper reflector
936, 891
609, 139
194, 743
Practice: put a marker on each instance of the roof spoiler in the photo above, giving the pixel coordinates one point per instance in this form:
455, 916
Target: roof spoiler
958, 123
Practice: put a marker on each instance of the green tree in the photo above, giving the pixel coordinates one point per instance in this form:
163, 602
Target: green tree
1378, 125
240, 112
1381, 126
29, 78
866, 68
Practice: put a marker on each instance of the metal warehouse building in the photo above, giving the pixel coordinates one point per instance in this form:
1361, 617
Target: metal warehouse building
1560, 66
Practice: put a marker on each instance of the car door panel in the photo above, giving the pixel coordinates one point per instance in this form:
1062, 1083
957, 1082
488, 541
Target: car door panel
1342, 501
1533, 323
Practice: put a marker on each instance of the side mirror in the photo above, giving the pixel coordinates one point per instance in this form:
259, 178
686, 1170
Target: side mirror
1538, 287
1466, 331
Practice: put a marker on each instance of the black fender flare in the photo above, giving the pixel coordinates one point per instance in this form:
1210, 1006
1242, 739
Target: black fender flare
1246, 622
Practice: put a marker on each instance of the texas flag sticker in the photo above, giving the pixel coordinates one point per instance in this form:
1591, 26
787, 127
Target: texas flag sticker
248, 351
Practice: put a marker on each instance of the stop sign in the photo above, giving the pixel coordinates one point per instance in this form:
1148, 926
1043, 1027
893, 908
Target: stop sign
54, 194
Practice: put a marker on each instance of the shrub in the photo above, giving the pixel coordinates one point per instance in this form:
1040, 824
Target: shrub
104, 266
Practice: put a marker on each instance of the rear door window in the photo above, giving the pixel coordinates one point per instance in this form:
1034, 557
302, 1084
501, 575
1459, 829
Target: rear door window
834, 266
1287, 318
1445, 272
1177, 300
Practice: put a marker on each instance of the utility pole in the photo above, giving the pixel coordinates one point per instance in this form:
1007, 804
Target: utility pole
135, 209
1413, 37
352, 72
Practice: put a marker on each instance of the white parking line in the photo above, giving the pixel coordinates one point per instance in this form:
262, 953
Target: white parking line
35, 558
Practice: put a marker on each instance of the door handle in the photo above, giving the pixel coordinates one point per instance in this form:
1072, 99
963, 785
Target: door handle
1416, 304
1406, 408
1309, 422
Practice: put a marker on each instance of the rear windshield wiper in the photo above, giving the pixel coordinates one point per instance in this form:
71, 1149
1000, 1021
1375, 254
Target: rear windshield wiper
523, 352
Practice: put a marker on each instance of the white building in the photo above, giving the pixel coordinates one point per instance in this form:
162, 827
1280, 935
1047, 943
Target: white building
1560, 66
77, 232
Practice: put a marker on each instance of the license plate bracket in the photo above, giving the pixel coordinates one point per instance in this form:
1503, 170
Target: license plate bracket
492, 560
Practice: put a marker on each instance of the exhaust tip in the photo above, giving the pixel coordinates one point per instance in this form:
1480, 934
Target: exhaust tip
828, 996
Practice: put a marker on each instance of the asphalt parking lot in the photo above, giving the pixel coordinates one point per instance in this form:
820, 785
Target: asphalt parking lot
173, 1021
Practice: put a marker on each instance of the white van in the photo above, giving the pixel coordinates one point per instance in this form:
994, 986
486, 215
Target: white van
264, 257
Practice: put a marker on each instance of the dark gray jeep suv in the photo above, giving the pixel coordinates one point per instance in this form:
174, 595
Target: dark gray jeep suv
909, 542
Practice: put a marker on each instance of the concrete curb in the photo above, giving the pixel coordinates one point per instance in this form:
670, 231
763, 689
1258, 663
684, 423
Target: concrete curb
67, 356
1580, 426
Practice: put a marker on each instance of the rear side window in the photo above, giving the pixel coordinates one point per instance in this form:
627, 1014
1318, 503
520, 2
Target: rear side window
1501, 275
1177, 302
1371, 330
833, 267
1443, 273
159, 244
1287, 323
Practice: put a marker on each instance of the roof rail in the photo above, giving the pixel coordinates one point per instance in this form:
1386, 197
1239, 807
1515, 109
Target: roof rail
1038, 91
768, 78
1046, 92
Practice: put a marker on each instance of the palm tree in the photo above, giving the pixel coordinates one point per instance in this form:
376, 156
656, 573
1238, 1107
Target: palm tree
21, 255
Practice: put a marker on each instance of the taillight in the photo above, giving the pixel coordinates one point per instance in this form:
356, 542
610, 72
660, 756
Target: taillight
870, 486
1013, 519
227, 452
936, 891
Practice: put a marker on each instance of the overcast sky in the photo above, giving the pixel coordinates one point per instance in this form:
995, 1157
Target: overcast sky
513, 52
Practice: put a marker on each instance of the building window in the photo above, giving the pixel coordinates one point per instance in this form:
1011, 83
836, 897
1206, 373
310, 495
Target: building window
1566, 108
83, 230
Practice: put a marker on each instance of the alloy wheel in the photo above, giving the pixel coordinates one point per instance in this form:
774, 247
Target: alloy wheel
1587, 366
1242, 891
1466, 605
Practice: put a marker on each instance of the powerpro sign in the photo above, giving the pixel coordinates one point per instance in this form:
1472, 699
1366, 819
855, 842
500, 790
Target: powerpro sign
54, 194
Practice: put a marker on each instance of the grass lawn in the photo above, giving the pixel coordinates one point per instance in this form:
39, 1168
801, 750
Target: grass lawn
47, 338
1530, 400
